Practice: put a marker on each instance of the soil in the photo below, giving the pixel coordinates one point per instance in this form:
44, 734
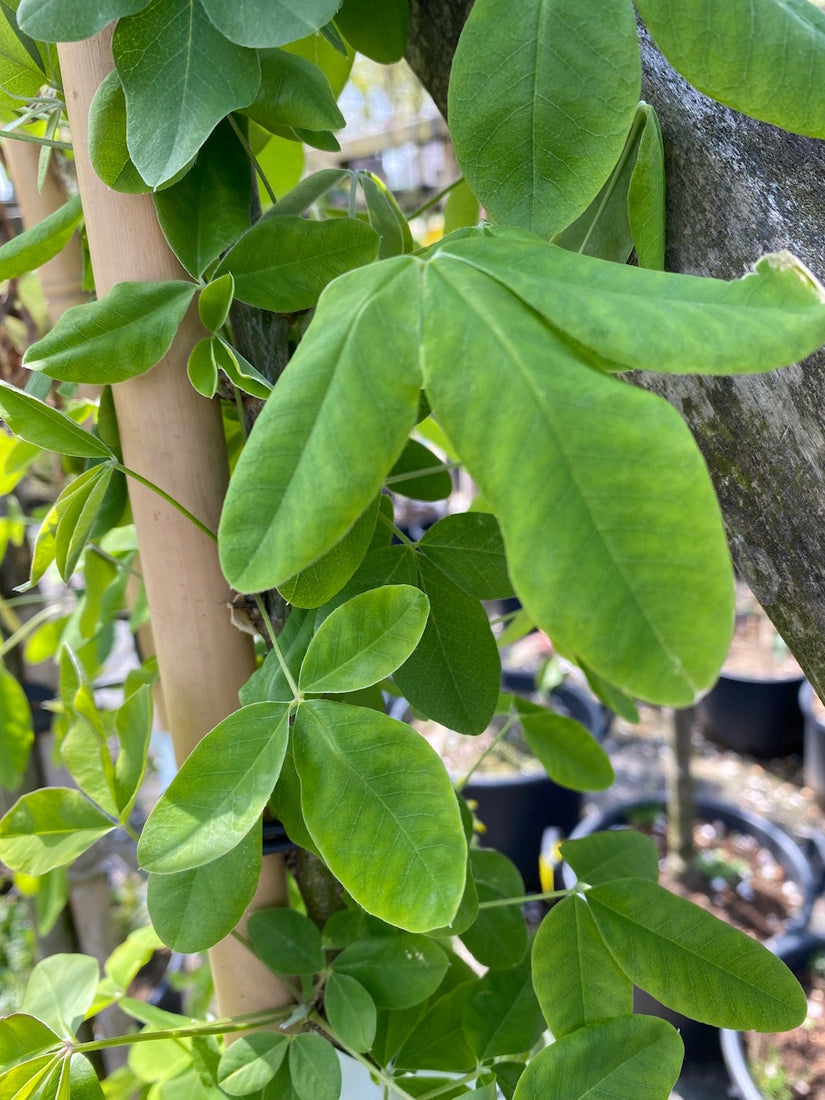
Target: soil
757, 649
791, 1065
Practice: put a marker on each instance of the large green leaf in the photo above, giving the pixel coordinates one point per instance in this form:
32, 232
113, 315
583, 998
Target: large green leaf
350, 1011
314, 1069
454, 674
635, 580
379, 806
376, 28
293, 93
39, 423
364, 640
541, 100
60, 991
760, 57
361, 353
286, 940
71, 20
206, 211
660, 321
693, 962
468, 548
576, 979
269, 22
503, 1015
22, 1034
16, 733
437, 1042
41, 242
175, 96
119, 336
284, 263
628, 1058
49, 828
397, 971
219, 792
192, 910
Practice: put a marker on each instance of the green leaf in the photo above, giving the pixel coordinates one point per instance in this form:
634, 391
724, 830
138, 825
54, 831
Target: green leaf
308, 191
350, 1011
21, 66
376, 28
205, 212
23, 1081
219, 792
294, 93
405, 479
214, 302
693, 962
385, 216
454, 674
108, 150
23, 1035
629, 1058
192, 910
175, 96
251, 1062
631, 580
646, 195
498, 936
360, 352
320, 581
397, 971
76, 517
119, 336
333, 64
60, 991
437, 1042
49, 828
576, 979
269, 22
128, 957
238, 370
71, 20
134, 728
568, 752
52, 895
283, 264
202, 368
364, 640
385, 819
314, 1068
469, 549
611, 696
35, 246
16, 733
503, 1016
286, 941
44, 426
462, 209
760, 58
525, 92
615, 853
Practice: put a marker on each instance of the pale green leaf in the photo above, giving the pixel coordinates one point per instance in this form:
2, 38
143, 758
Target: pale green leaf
269, 22
22, 1035
360, 352
335, 66
119, 336
283, 264
24, 1080
350, 1011
238, 370
214, 302
175, 96
646, 194
293, 93
49, 828
41, 242
627, 1058
71, 20
108, 150
52, 895
268, 683
77, 517
314, 1068
380, 807
693, 962
576, 979
286, 941
134, 728
21, 67
462, 209
469, 549
540, 105
282, 162
192, 910
202, 368
128, 957
46, 427
251, 1062
364, 640
16, 733
219, 792
60, 991
397, 971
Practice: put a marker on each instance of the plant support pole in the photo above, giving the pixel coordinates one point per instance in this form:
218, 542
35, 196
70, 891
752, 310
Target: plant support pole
174, 437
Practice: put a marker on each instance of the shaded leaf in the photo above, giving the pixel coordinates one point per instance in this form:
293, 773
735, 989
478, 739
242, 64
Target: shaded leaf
314, 1068
251, 1062
71, 20
385, 215
432, 483
308, 191
350, 1011
286, 940
469, 549
269, 22
295, 93
568, 752
108, 150
646, 195
614, 853
214, 302
376, 28
498, 936
503, 1016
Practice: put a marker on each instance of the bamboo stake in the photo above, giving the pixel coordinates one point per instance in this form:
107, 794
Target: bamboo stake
173, 437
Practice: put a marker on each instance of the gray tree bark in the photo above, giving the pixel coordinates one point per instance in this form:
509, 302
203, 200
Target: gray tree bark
737, 189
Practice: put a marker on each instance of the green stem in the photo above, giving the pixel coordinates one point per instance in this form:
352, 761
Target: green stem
449, 1085
225, 1026
435, 200
17, 136
241, 136
117, 562
176, 504
387, 1082
28, 628
396, 478
495, 903
462, 783
400, 534
273, 638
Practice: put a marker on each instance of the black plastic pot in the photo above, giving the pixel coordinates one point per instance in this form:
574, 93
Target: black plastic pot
701, 1040
756, 716
516, 809
814, 742
794, 948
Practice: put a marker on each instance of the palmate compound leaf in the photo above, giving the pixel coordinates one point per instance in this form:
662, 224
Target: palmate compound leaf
219, 792
530, 82
760, 56
381, 810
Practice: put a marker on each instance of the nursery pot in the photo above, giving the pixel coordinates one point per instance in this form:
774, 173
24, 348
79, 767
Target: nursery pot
794, 948
814, 742
516, 809
752, 715
701, 1040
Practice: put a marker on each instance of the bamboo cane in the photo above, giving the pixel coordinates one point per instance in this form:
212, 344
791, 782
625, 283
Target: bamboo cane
173, 437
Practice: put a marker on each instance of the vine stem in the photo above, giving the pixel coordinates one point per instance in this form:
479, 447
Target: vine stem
273, 637
548, 895
435, 199
28, 627
176, 504
388, 1083
462, 783
248, 150
216, 1027
17, 136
